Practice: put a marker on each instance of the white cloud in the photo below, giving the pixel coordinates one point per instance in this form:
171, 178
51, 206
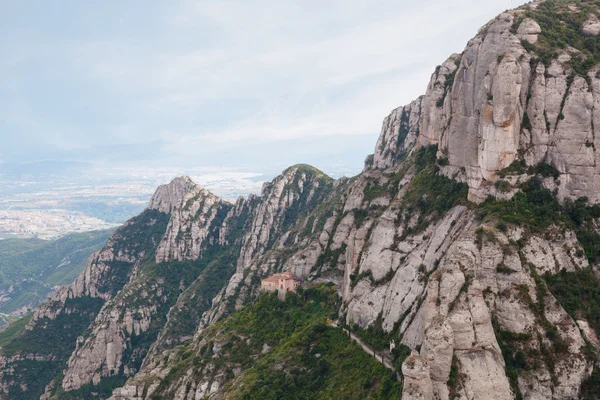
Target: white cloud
211, 73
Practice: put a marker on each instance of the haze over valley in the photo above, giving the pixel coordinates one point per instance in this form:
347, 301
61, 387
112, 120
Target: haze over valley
301, 200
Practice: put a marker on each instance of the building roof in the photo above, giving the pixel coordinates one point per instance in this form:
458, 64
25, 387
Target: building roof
284, 275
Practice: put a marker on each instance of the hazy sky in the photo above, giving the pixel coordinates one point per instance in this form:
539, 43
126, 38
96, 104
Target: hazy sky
200, 82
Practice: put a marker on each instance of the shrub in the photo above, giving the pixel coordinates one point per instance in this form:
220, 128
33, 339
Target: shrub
579, 294
503, 269
431, 194
544, 169
517, 167
503, 186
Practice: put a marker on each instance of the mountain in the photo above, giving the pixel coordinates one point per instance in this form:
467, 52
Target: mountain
31, 268
471, 240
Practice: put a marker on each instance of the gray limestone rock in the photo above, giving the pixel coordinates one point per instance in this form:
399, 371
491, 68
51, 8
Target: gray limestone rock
591, 26
529, 30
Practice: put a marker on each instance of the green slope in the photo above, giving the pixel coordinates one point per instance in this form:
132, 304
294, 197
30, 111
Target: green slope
53, 340
32, 267
307, 358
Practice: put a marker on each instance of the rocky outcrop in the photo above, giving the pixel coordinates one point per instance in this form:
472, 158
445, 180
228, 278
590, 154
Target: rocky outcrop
101, 353
497, 103
71, 310
529, 30
466, 294
482, 136
196, 220
591, 26
436, 103
116, 257
298, 187
417, 383
171, 196
398, 134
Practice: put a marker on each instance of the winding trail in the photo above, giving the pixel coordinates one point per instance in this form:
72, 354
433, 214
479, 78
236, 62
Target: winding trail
380, 358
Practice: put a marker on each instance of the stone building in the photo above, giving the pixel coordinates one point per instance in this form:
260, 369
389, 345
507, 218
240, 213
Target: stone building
283, 283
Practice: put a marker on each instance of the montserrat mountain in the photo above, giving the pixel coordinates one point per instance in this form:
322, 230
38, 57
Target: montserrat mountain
471, 241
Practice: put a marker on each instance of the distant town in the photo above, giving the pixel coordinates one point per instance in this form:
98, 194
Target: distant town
47, 224
47, 208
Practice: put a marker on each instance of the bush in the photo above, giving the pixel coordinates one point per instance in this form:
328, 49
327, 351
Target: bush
517, 167
535, 207
589, 387
501, 226
561, 28
544, 169
431, 194
503, 186
443, 161
579, 294
503, 269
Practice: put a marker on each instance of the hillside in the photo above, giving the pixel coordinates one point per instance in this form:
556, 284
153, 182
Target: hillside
470, 240
31, 268
273, 349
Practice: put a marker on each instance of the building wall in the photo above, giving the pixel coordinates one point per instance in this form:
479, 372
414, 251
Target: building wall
282, 285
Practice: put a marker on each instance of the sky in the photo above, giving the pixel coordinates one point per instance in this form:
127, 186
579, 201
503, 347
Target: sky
255, 84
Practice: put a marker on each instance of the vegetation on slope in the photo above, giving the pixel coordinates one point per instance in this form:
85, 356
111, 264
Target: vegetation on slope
53, 340
52, 346
307, 200
562, 27
579, 294
35, 258
537, 208
33, 266
307, 358
430, 193
198, 282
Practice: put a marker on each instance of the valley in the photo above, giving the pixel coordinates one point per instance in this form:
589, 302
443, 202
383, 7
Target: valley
462, 262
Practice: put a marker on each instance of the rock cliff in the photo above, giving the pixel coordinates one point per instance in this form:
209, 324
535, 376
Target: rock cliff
463, 240
519, 92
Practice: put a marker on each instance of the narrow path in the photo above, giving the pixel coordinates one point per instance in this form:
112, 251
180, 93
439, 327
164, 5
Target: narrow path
380, 358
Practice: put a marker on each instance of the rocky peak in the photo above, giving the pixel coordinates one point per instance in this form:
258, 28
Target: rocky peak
198, 219
296, 190
471, 290
398, 135
517, 95
170, 196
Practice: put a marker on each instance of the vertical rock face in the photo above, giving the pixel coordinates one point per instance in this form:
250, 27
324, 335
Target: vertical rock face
299, 186
498, 103
529, 30
436, 103
196, 220
408, 253
170, 196
398, 134
483, 132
